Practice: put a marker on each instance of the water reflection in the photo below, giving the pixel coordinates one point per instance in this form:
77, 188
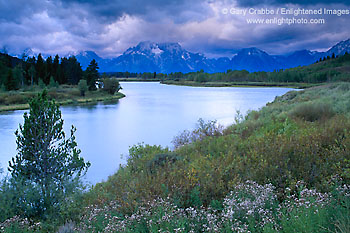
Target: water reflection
151, 113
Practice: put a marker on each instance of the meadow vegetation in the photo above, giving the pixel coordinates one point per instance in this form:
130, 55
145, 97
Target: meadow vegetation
284, 168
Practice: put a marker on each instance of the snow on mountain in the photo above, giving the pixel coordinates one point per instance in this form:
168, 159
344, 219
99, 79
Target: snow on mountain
254, 59
149, 56
159, 57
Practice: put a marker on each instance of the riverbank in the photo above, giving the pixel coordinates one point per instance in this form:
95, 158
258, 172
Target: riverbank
18, 100
239, 84
288, 163
137, 80
292, 156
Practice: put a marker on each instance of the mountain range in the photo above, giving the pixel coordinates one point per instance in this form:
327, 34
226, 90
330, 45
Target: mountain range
171, 57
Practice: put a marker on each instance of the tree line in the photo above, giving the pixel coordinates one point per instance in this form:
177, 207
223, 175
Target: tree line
322, 71
17, 73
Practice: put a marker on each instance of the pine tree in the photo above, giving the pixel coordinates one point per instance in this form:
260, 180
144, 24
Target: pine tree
10, 83
47, 163
55, 65
74, 71
48, 71
40, 68
91, 75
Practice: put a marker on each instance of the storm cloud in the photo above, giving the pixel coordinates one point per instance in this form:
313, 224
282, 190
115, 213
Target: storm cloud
110, 27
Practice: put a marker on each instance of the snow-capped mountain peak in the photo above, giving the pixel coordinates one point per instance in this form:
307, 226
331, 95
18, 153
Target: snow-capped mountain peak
149, 56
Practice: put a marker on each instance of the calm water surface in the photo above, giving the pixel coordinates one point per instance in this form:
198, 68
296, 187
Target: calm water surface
151, 113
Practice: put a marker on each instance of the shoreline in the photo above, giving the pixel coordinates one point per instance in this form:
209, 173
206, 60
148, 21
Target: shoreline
137, 80
78, 101
240, 84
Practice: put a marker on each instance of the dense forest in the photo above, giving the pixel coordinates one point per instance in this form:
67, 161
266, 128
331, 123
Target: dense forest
17, 73
63, 78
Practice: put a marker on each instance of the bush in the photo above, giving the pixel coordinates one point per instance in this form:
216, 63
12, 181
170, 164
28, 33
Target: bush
111, 85
83, 87
41, 84
161, 160
203, 130
313, 111
53, 83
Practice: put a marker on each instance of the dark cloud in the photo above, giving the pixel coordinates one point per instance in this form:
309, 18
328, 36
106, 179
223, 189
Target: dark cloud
16, 10
110, 27
109, 10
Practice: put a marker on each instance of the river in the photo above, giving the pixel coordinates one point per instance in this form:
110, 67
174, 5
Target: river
150, 113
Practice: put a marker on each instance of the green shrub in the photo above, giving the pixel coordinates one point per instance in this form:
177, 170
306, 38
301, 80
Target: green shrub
83, 87
41, 84
111, 85
298, 137
313, 111
53, 83
203, 130
161, 160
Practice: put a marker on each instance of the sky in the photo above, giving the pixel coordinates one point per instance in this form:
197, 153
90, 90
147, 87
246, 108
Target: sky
214, 28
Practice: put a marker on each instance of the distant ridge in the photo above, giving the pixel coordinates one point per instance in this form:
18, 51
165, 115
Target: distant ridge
149, 56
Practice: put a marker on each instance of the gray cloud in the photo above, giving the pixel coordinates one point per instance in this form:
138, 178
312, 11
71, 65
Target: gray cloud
109, 11
110, 27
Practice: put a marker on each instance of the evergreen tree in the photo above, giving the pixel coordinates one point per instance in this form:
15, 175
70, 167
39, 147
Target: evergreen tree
32, 74
40, 68
47, 164
62, 71
10, 83
48, 71
91, 75
55, 65
74, 71
18, 75
29, 70
3, 71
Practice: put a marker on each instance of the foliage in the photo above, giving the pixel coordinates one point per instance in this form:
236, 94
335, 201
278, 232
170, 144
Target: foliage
203, 130
161, 160
83, 87
327, 70
249, 207
91, 75
242, 178
41, 84
53, 83
267, 146
10, 83
111, 85
48, 167
313, 111
32, 70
